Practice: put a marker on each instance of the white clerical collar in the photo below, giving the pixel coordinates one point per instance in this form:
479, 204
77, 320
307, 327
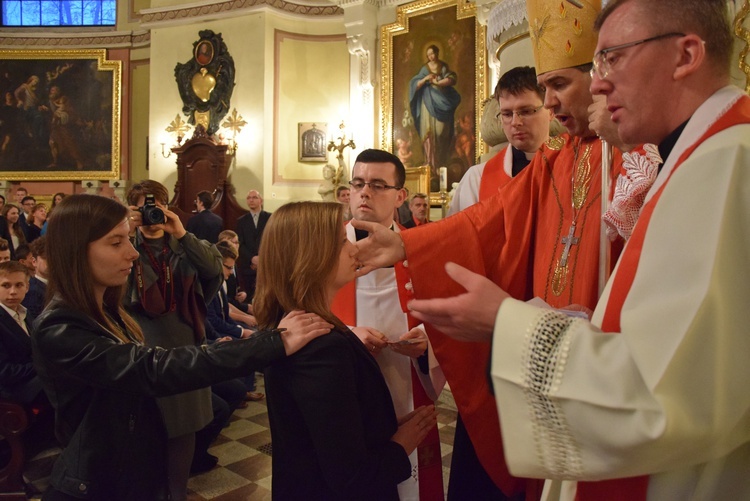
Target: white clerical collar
41, 279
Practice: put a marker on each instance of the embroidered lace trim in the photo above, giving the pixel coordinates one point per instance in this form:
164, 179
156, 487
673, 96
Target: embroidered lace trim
640, 170
544, 364
504, 16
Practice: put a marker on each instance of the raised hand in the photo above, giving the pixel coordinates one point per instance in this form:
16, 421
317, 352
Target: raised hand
382, 248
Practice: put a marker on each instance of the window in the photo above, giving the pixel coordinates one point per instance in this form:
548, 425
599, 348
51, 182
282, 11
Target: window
59, 12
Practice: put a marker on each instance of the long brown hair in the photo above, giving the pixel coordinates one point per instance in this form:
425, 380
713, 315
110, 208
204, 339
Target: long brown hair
14, 228
76, 222
299, 251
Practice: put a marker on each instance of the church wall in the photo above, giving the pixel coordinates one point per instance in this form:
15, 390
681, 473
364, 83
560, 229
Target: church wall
140, 70
310, 83
287, 72
243, 36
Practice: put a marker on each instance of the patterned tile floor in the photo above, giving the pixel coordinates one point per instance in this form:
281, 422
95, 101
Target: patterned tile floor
243, 448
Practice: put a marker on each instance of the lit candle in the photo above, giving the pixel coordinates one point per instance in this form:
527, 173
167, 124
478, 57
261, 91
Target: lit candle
443, 178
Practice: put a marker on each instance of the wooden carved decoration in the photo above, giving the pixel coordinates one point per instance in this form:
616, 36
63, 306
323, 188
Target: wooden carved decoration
206, 81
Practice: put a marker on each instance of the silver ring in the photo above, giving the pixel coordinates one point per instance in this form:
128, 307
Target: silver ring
311, 320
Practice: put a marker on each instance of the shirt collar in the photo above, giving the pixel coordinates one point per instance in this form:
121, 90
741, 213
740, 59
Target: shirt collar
666, 146
21, 311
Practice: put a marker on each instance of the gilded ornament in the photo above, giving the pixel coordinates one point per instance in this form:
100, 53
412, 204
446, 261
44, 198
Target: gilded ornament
206, 81
744, 34
582, 180
555, 143
203, 84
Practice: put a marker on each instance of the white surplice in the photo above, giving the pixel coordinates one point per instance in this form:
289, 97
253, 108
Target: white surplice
667, 396
378, 307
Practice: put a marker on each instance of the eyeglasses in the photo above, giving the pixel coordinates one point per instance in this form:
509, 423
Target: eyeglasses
507, 115
376, 186
603, 61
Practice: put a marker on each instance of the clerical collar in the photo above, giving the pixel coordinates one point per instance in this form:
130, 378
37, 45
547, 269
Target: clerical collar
666, 146
360, 234
519, 160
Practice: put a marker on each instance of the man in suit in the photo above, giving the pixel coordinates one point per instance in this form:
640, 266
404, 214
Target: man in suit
217, 312
205, 224
236, 296
249, 231
24, 217
418, 206
18, 379
34, 300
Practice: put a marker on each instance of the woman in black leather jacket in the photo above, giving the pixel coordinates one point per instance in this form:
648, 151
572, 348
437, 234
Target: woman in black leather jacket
99, 377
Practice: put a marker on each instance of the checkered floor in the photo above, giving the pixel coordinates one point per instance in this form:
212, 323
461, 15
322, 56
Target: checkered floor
244, 451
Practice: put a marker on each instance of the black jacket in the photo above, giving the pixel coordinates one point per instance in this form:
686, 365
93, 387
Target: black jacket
206, 225
103, 392
249, 237
18, 379
332, 419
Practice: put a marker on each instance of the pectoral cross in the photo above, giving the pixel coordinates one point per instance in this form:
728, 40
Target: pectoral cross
568, 241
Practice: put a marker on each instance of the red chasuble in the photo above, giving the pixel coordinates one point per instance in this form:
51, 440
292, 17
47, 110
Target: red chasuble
522, 240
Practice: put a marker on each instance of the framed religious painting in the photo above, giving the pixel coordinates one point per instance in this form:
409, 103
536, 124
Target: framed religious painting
60, 115
312, 142
433, 81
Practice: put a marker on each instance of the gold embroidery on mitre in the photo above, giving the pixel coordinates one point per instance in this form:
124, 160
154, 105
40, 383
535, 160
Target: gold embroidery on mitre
538, 31
569, 48
577, 27
555, 143
557, 22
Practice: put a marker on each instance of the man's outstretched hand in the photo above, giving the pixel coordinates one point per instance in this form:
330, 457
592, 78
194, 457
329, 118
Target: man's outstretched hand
382, 248
466, 317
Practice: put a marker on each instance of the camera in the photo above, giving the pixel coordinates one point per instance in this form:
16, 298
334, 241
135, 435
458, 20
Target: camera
150, 213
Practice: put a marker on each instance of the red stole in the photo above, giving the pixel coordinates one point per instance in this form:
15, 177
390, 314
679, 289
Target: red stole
430, 461
636, 488
494, 176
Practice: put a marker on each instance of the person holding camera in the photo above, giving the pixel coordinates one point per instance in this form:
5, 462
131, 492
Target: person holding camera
171, 282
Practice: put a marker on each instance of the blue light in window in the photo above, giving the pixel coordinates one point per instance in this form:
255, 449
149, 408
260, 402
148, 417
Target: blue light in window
59, 12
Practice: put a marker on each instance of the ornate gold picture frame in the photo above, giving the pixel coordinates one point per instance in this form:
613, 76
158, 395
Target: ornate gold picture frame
59, 115
433, 81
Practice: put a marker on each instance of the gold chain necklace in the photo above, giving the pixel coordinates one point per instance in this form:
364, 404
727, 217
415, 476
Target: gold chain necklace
581, 185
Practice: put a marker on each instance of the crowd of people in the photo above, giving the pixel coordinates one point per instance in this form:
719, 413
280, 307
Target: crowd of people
143, 337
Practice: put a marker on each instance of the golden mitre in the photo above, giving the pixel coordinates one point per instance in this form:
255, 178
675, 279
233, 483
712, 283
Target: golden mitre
562, 32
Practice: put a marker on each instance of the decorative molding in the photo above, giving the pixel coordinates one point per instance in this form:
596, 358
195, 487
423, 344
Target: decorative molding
350, 3
197, 11
131, 39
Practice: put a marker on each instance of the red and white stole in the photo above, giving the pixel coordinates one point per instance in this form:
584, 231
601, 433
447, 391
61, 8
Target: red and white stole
636, 488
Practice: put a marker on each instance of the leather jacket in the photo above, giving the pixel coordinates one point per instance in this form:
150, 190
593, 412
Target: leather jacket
103, 392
